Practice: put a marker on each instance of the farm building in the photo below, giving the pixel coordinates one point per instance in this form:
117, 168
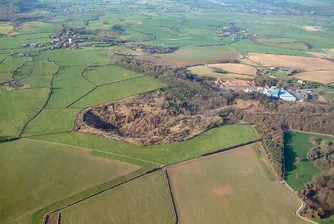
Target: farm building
277, 93
285, 95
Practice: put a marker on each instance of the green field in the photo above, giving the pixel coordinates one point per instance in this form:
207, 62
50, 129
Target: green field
108, 74
192, 55
233, 187
17, 107
144, 200
52, 121
297, 144
246, 46
68, 86
214, 139
36, 174
119, 91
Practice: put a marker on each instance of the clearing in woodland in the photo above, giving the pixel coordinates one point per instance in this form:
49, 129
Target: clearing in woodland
297, 145
225, 187
144, 200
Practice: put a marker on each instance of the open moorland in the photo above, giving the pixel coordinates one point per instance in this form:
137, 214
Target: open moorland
212, 189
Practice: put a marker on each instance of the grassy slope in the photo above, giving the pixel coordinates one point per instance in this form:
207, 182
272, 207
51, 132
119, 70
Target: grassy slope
233, 187
119, 90
211, 140
247, 46
108, 74
35, 174
68, 87
297, 145
145, 200
51, 121
17, 107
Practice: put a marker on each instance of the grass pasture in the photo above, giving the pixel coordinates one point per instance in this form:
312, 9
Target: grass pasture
297, 144
144, 200
231, 187
36, 174
119, 91
52, 121
108, 74
246, 46
68, 86
282, 43
211, 140
41, 74
17, 107
190, 55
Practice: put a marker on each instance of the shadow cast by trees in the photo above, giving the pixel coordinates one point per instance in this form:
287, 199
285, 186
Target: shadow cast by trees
289, 154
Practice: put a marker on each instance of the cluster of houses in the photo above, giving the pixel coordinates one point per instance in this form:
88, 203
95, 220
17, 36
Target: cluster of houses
233, 31
67, 39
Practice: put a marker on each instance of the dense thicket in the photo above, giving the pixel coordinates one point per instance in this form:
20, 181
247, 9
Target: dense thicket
319, 196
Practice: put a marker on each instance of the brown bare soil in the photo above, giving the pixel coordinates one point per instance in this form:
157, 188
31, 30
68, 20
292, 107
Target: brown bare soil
295, 62
143, 120
222, 191
235, 68
326, 55
324, 77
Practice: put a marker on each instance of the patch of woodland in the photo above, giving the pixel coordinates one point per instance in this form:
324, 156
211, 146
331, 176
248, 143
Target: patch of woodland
150, 49
12, 10
322, 154
318, 195
275, 117
146, 119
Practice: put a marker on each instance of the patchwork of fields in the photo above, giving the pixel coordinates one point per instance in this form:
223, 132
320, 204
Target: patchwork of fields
46, 165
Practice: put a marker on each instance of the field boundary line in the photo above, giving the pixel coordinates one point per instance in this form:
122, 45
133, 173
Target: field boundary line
172, 198
97, 150
100, 192
45, 103
163, 167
